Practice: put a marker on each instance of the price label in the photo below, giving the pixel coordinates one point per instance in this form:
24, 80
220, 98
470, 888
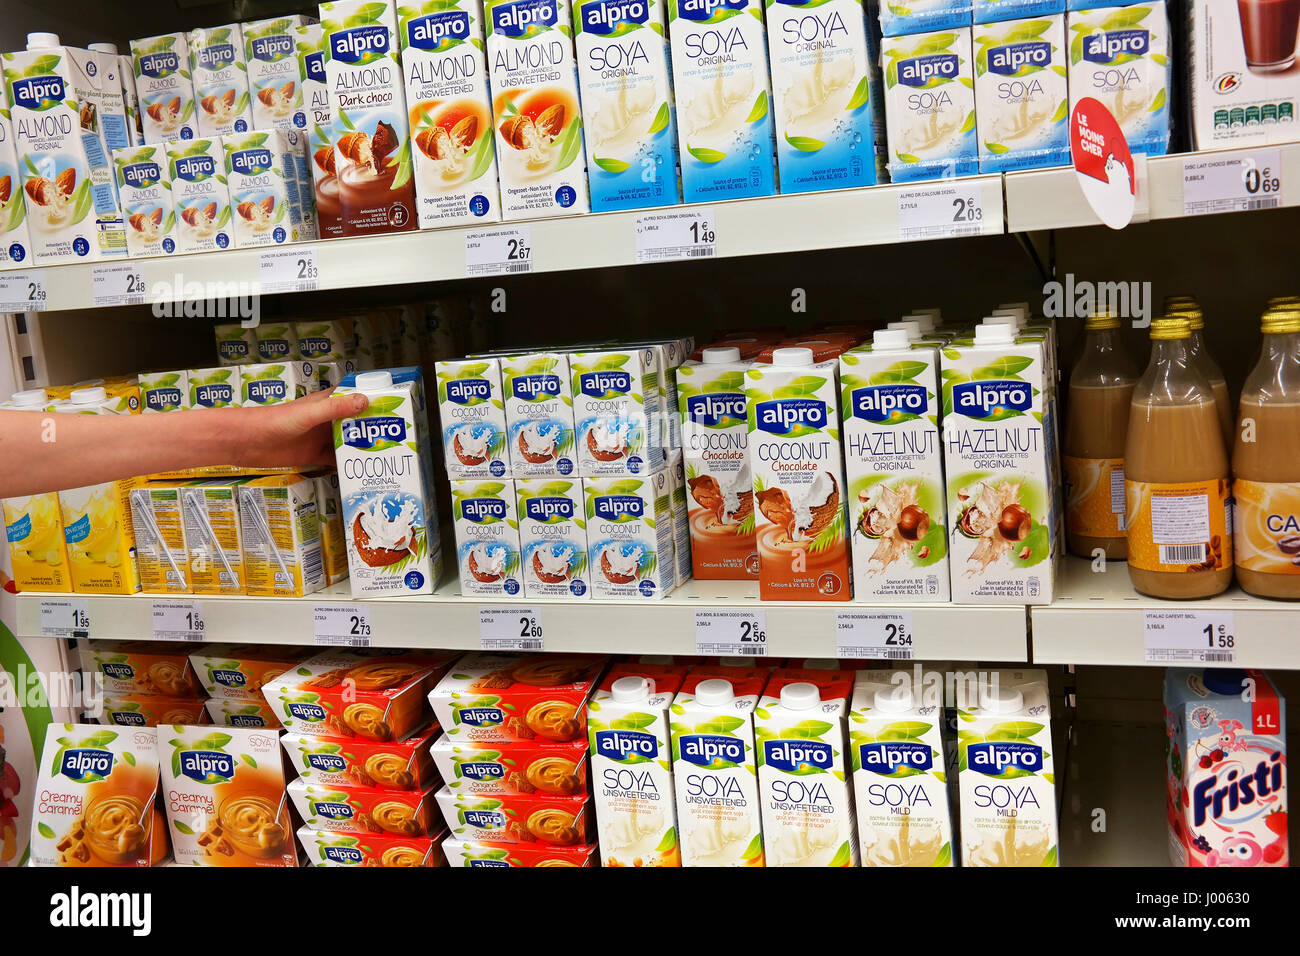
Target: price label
289, 270
940, 211
1190, 637
65, 617
178, 621
497, 252
1232, 183
681, 234
22, 291
731, 632
340, 625
881, 635
510, 629
119, 284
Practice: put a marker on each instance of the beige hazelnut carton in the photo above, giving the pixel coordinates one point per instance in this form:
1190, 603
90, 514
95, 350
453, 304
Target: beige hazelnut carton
201, 201
164, 87
1003, 539
220, 80
615, 409
629, 538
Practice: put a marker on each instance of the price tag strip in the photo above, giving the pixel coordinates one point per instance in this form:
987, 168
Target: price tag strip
940, 211
510, 629
22, 291
1190, 637
178, 621
879, 635
496, 252
728, 632
340, 625
1232, 183
289, 270
681, 234
65, 617
116, 284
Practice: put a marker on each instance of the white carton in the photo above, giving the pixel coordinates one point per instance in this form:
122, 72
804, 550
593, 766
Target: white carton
220, 80
132, 134
629, 538
200, 195
539, 414
15, 243
681, 516
899, 774
164, 87
720, 76
472, 412
114, 125
262, 173
324, 340
214, 387
924, 16
452, 145
534, 83
389, 515
615, 404
320, 120
802, 744
1022, 100
164, 391
714, 774
275, 72
487, 536
1006, 773
271, 383
627, 103
276, 342
144, 187
553, 537
991, 11
930, 105
894, 471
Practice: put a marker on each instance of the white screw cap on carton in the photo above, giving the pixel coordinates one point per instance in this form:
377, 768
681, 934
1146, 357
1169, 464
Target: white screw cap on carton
994, 335
29, 398
42, 41
631, 689
720, 355
715, 692
800, 695
88, 396
1000, 700
1021, 316
103, 48
927, 318
894, 700
1001, 318
792, 357
890, 340
374, 381
910, 326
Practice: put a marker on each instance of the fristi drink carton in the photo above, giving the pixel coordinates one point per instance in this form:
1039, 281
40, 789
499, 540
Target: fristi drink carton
214, 536
802, 748
798, 469
1021, 96
714, 772
200, 197
262, 175
471, 407
629, 538
144, 187
1226, 786
631, 765
38, 555
281, 536
894, 471
552, 538
930, 105
615, 406
15, 242
899, 774
451, 113
539, 414
164, 86
1006, 774
157, 514
625, 75
275, 72
220, 80
487, 536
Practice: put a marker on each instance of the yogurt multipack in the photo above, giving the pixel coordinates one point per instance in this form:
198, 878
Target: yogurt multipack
556, 768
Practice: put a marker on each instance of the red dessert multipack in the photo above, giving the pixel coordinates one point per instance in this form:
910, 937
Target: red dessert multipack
524, 766
364, 809
460, 852
357, 762
345, 848
517, 818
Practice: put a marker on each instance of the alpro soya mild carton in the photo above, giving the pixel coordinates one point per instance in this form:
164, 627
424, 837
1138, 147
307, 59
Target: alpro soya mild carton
487, 536
165, 88
805, 795
627, 103
15, 243
723, 89
220, 80
719, 822
539, 414
144, 185
930, 105
553, 538
615, 406
275, 72
894, 470
200, 195
472, 410
1021, 97
451, 113
386, 504
629, 538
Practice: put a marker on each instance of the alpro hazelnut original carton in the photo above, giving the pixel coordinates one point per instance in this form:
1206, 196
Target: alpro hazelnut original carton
552, 538
889, 403
535, 109
801, 744
539, 414
1022, 98
548, 767
164, 87
472, 410
262, 174
343, 848
615, 409
714, 771
220, 80
275, 72
200, 198
144, 186
487, 536
631, 764
15, 242
450, 107
356, 762
930, 105
630, 537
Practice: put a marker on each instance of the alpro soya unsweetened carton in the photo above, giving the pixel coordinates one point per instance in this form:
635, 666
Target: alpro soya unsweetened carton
200, 196
275, 72
1006, 774
615, 406
472, 409
553, 538
715, 776
627, 103
629, 539
631, 765
1022, 99
165, 88
899, 775
447, 97
144, 186
890, 404
487, 536
801, 743
220, 80
539, 414
1003, 528
535, 108
723, 91
794, 447
15, 243
930, 105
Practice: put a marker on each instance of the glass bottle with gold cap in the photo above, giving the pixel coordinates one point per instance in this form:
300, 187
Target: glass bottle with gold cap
1100, 392
1176, 475
1266, 463
1189, 308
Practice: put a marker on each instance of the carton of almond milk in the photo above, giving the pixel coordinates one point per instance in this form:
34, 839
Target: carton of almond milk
487, 536
275, 72
262, 174
615, 404
539, 414
164, 87
630, 538
320, 122
15, 243
144, 186
553, 538
220, 80
200, 199
472, 410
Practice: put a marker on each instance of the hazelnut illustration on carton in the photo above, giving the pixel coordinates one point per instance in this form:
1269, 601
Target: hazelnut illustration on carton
339, 848
513, 818
164, 86
345, 807
357, 762
548, 767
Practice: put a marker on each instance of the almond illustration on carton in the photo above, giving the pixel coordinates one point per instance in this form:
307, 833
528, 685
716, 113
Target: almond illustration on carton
356, 148
43, 192
164, 113
139, 219
257, 210
439, 143
6, 188
209, 103
273, 97
523, 132
324, 159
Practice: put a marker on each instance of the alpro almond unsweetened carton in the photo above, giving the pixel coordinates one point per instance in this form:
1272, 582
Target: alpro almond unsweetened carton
164, 86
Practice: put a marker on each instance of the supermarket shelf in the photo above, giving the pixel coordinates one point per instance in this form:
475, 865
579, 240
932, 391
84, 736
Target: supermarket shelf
448, 620
1097, 618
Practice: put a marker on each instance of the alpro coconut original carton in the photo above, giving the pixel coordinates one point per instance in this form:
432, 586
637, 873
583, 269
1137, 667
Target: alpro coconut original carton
487, 536
629, 538
164, 86
539, 414
472, 411
553, 538
615, 406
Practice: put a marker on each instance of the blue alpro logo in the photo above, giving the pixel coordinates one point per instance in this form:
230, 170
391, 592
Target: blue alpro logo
468, 391
331, 810
429, 32
157, 65
1106, 47
369, 432
995, 759
481, 770
984, 399
327, 763
118, 671
82, 765
789, 756
716, 410
359, 43
127, 718
880, 403
213, 396
272, 349
264, 391
218, 56
700, 10
484, 819
37, 92
207, 766
314, 346
311, 713
140, 175
603, 16
313, 67
1010, 59
928, 70
343, 855
480, 716
483, 510
516, 19
229, 678
484, 863
250, 162
271, 48
532, 388
704, 749
618, 507
246, 720
546, 509
786, 415
193, 168
604, 384
621, 744
162, 399
890, 757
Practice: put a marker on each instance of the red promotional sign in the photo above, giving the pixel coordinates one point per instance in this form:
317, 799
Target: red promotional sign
1102, 162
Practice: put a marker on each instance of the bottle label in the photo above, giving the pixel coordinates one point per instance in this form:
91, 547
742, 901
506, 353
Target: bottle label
1179, 526
1267, 526
1094, 504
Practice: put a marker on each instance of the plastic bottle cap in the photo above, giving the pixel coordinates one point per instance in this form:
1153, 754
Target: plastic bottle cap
910, 326
103, 48
631, 689
792, 357
885, 340
894, 700
29, 397
1015, 315
1001, 318
42, 41
88, 396
994, 335
924, 319
801, 695
1021, 307
374, 381
715, 692
720, 355
1001, 700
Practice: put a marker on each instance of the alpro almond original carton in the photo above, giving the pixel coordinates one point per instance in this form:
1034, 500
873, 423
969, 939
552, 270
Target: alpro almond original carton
472, 411
200, 198
15, 242
343, 848
352, 761
552, 538
714, 771
275, 72
930, 105
220, 80
539, 414
630, 537
615, 409
165, 88
487, 536
557, 768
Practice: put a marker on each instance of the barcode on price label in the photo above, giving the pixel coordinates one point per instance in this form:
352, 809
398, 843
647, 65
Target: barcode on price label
65, 617
731, 632
1232, 183
121, 284
1190, 637
290, 270
341, 625
511, 629
178, 621
940, 211
684, 234
22, 291
499, 252
879, 635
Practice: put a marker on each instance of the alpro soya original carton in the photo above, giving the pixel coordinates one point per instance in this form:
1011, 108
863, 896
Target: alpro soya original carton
993, 11
164, 86
923, 16
930, 105
200, 196
144, 185
472, 410
15, 243
1021, 96
274, 72
220, 80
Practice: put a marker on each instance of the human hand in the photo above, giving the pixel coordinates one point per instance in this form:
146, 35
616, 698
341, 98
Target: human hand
298, 433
